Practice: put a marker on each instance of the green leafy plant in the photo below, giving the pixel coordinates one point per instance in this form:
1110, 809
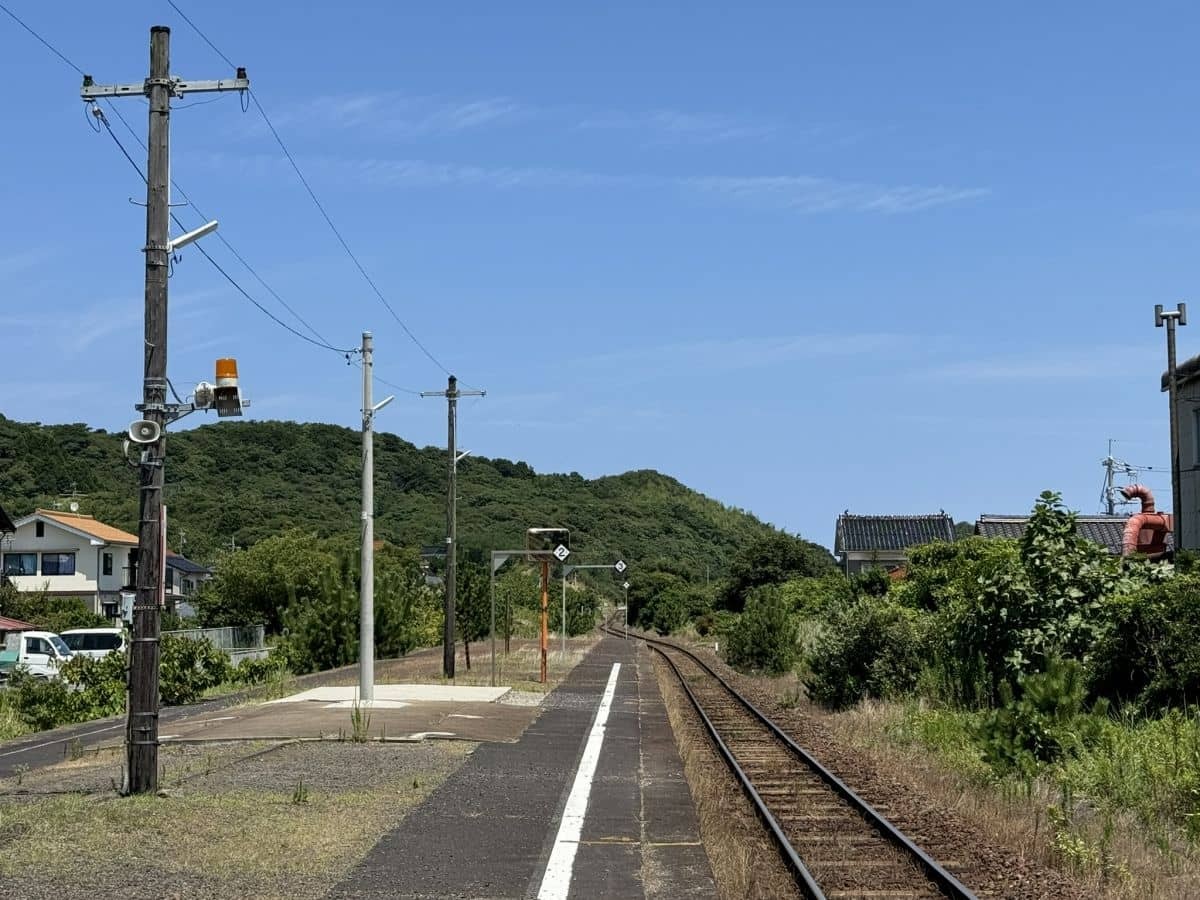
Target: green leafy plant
764, 638
869, 647
360, 723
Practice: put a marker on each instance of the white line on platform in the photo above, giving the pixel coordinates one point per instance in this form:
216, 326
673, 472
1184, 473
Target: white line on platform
557, 880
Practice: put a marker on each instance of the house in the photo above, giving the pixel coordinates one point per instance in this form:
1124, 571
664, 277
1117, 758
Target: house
868, 542
1187, 380
70, 554
182, 579
1107, 531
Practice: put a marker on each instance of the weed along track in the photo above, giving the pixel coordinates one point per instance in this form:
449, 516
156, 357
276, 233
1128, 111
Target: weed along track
833, 842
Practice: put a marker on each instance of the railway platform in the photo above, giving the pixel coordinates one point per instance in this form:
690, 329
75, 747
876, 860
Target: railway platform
590, 801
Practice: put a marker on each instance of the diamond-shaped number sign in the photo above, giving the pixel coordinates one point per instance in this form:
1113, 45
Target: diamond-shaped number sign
625, 585
620, 566
561, 552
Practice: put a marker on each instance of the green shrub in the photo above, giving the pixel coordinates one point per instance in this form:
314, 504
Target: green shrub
1040, 721
189, 668
868, 648
764, 637
1148, 652
258, 671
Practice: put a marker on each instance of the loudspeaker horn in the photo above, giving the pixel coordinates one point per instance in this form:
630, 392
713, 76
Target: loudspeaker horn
143, 431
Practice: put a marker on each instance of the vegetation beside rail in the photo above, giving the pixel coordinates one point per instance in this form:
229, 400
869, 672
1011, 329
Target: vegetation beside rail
1042, 666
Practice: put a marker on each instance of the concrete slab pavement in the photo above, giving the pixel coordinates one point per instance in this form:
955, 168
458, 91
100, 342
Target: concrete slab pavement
491, 828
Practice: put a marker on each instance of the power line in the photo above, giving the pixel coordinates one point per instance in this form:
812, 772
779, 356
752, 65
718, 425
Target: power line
316, 201
228, 246
99, 115
45, 43
324, 345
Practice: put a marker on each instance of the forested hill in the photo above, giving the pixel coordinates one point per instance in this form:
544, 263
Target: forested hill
247, 480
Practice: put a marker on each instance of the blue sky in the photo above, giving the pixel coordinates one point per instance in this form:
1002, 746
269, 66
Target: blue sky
804, 257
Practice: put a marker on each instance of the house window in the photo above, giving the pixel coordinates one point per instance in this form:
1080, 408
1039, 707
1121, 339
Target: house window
39, 528
20, 563
189, 587
58, 563
107, 563
169, 579
1196, 435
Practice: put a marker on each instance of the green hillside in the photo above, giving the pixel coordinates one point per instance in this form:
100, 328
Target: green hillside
244, 481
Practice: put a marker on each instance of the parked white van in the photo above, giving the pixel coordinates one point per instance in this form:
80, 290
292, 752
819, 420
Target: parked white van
41, 652
94, 642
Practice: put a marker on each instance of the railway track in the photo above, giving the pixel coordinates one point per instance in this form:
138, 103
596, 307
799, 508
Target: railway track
833, 842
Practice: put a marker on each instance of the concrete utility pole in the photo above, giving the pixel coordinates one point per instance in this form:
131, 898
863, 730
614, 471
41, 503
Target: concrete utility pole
452, 393
366, 591
1171, 318
141, 733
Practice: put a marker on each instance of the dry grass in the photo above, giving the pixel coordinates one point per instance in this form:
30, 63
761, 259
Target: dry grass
1109, 859
745, 864
229, 827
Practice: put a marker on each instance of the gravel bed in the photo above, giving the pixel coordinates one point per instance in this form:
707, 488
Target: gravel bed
973, 857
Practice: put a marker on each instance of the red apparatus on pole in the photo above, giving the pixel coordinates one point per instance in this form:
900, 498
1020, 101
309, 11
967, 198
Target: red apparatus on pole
1145, 532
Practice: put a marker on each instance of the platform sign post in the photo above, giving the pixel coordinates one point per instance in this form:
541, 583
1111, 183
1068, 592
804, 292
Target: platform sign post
626, 586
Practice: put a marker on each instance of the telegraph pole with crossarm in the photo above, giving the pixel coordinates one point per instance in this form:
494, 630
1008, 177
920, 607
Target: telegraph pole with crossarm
141, 735
452, 393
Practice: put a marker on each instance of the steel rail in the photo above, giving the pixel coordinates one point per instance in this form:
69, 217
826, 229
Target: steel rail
946, 882
804, 879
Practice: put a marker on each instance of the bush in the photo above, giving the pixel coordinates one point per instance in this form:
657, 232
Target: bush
258, 671
45, 612
1148, 652
764, 637
1040, 721
189, 668
868, 648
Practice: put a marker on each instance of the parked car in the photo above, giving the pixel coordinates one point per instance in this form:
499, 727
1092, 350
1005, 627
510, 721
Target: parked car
94, 642
41, 652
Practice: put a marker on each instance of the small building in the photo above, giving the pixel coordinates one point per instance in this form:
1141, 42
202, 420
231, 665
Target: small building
182, 580
72, 555
1187, 375
869, 542
1107, 531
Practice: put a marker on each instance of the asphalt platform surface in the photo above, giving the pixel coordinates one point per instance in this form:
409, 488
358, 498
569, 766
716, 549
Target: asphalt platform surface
488, 830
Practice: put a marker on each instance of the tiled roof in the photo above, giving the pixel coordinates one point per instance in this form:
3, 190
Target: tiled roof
183, 564
7, 624
89, 526
1186, 371
1107, 531
859, 533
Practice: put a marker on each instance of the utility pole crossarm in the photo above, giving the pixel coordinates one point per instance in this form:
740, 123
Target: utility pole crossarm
179, 87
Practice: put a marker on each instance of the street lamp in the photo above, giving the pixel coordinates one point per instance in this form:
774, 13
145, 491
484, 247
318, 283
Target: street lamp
1178, 315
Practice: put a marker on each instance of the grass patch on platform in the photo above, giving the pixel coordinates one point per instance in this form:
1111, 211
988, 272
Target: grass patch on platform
229, 826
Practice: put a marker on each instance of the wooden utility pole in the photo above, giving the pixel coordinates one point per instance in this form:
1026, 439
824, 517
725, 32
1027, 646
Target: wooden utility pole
452, 393
142, 726
141, 730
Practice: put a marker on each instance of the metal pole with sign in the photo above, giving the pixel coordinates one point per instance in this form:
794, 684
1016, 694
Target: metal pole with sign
626, 586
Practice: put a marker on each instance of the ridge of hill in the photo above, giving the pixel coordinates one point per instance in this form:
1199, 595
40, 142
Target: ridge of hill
244, 481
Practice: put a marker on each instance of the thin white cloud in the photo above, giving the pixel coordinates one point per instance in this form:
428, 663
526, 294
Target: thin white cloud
728, 354
18, 262
397, 115
1096, 362
680, 126
799, 193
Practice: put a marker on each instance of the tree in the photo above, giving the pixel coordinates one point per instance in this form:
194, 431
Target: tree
773, 559
764, 637
257, 584
472, 615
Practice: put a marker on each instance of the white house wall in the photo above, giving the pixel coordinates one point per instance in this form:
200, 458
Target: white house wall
87, 579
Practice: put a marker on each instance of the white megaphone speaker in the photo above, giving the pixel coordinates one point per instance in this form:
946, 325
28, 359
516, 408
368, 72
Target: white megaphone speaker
143, 431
